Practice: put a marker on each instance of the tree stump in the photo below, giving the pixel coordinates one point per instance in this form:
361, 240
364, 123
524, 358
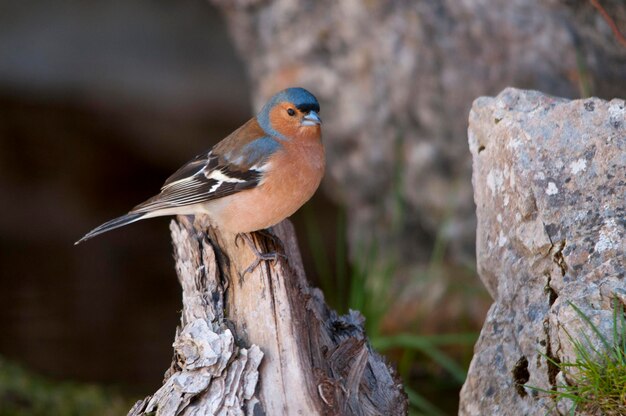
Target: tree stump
264, 342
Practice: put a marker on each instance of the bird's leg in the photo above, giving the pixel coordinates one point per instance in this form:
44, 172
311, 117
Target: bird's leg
273, 256
267, 232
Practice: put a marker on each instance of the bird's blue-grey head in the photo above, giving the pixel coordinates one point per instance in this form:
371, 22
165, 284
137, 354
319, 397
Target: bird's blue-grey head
304, 102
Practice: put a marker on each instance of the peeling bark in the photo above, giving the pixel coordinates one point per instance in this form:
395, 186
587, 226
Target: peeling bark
264, 342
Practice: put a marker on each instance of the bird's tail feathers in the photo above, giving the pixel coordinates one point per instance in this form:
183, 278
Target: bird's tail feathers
113, 224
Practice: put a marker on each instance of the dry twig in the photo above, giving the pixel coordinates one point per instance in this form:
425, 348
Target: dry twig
609, 20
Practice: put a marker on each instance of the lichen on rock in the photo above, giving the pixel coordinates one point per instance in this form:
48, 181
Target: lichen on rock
549, 179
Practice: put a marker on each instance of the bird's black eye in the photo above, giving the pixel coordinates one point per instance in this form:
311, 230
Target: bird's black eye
291, 112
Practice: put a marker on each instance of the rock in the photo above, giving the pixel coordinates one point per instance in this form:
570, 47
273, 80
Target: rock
549, 180
396, 78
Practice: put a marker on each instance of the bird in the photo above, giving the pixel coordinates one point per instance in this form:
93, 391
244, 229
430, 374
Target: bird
254, 178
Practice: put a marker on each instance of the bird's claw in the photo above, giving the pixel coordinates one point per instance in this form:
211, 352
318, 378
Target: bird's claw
260, 257
237, 237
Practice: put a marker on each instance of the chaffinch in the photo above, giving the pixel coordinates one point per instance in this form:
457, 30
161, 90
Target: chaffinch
254, 178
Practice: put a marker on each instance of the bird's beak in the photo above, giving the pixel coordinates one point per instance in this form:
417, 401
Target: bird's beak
311, 119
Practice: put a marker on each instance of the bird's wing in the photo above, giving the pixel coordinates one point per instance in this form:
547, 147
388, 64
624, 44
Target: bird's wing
221, 172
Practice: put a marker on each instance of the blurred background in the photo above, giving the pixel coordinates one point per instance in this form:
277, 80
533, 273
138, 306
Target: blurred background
101, 101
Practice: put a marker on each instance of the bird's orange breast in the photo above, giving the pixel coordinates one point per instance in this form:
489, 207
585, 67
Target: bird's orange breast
293, 176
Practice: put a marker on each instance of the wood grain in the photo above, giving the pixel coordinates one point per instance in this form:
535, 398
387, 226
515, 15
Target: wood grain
264, 342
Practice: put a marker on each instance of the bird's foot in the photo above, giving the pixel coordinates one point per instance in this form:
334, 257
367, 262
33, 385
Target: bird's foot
267, 233
260, 257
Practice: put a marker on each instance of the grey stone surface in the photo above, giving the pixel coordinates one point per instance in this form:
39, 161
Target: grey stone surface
549, 185
396, 78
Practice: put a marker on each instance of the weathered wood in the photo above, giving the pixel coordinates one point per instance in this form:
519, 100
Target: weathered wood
314, 362
210, 373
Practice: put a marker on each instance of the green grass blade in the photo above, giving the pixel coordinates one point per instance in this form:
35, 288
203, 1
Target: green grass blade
597, 378
416, 341
594, 328
422, 404
319, 254
428, 348
340, 256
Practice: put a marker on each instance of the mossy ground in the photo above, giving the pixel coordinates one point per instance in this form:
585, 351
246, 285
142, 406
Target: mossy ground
23, 393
